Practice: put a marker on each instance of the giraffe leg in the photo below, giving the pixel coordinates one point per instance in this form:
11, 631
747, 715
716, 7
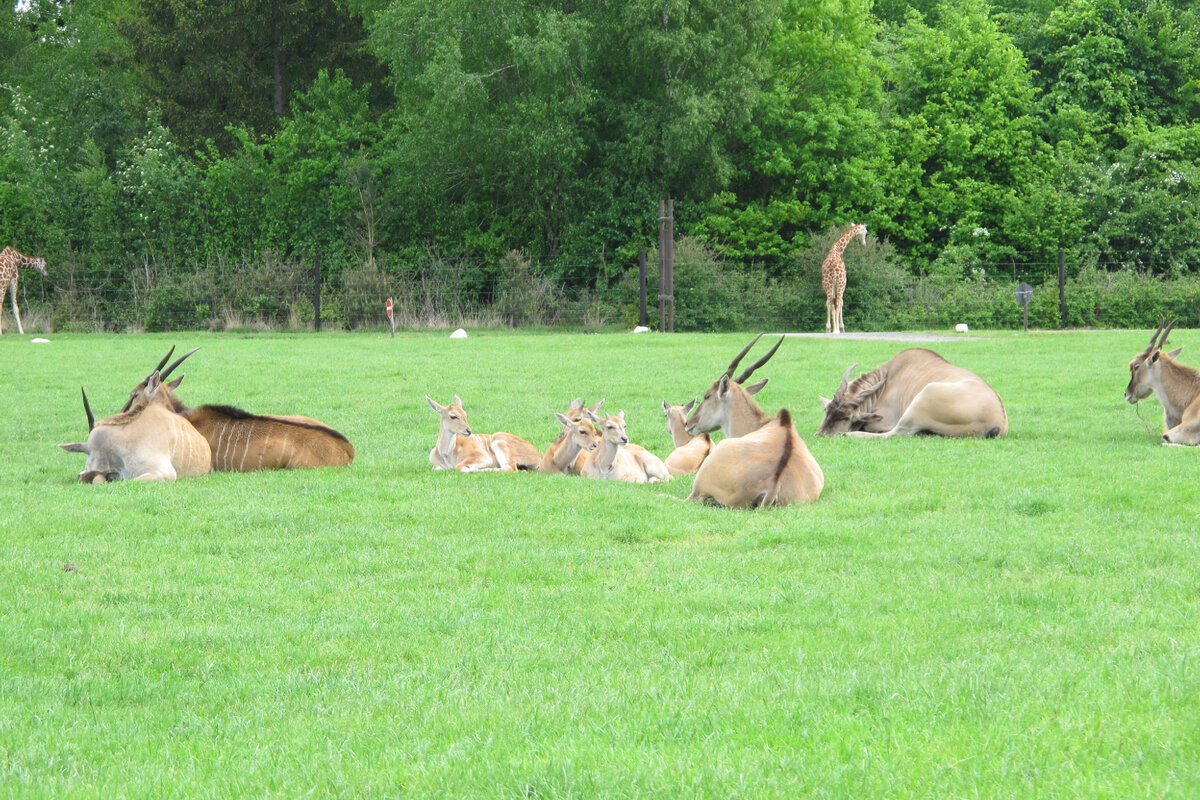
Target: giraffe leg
828, 313
16, 313
840, 325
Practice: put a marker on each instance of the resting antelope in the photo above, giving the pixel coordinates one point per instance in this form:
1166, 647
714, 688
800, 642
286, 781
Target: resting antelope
762, 461
1176, 385
146, 442
690, 451
918, 391
245, 442
615, 459
578, 437
560, 456
458, 447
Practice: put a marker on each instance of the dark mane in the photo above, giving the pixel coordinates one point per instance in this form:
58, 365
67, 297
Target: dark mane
233, 412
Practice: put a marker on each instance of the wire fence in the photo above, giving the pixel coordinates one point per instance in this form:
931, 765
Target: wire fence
308, 295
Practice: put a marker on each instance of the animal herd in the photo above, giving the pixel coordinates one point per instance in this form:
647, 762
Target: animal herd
760, 461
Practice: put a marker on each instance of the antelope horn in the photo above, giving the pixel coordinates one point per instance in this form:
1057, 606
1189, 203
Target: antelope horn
87, 409
750, 370
1162, 342
165, 358
165, 373
737, 359
846, 375
1154, 338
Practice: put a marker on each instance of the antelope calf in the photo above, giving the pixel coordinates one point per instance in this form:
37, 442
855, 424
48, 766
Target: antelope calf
616, 459
458, 447
690, 451
762, 461
147, 442
560, 455
1176, 385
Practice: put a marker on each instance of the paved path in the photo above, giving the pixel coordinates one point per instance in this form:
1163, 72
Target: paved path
884, 336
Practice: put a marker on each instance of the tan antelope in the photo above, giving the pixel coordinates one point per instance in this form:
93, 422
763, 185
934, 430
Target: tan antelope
762, 461
1176, 385
690, 451
146, 442
918, 391
460, 448
560, 455
245, 442
578, 436
615, 459
728, 405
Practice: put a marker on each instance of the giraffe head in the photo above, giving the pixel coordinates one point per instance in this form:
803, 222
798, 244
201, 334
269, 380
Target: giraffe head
39, 264
860, 232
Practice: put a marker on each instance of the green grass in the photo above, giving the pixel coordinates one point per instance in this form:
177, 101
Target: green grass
1012, 618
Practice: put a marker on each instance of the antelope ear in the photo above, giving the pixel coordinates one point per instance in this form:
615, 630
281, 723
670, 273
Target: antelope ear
666, 407
691, 404
723, 386
457, 400
868, 419
755, 388
173, 385
825, 401
596, 407
1175, 353
564, 419
75, 447
1154, 358
434, 404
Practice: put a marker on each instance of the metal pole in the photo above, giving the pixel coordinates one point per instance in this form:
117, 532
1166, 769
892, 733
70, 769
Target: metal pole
1062, 290
317, 293
643, 318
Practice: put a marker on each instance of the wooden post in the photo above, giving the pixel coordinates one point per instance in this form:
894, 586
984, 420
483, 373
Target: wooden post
643, 318
662, 267
1062, 290
670, 266
317, 294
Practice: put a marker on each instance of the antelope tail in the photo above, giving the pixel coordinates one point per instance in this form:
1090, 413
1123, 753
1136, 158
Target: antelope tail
769, 498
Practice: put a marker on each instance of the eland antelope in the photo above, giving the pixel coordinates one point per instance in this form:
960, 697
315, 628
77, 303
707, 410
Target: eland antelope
245, 442
762, 461
145, 442
241, 441
1176, 385
690, 451
616, 459
460, 448
560, 454
917, 391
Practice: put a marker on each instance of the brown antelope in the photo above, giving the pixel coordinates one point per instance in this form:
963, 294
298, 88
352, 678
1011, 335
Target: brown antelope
615, 459
245, 442
767, 467
1176, 385
762, 461
458, 447
728, 404
918, 391
690, 451
146, 442
578, 436
556, 460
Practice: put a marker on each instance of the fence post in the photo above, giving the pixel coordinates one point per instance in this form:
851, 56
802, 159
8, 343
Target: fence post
670, 266
317, 293
643, 318
1062, 290
666, 266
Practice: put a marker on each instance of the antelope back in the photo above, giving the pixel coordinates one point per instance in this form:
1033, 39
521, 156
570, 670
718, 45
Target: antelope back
244, 442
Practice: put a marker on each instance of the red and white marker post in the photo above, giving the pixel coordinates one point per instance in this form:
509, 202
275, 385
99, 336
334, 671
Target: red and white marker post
391, 319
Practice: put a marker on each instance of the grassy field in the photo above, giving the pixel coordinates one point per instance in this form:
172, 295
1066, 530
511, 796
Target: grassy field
952, 619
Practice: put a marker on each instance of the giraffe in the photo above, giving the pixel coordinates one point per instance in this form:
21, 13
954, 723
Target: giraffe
833, 278
10, 261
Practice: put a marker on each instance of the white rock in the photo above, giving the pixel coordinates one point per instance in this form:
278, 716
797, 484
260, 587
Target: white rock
40, 341
459, 334
641, 329
961, 328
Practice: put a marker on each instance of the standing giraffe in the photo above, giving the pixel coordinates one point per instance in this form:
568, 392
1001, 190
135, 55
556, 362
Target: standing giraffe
833, 278
10, 261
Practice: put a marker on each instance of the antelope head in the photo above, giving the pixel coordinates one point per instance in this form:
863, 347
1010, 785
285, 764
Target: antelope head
849, 408
611, 428
168, 397
728, 404
581, 432
1143, 368
454, 418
